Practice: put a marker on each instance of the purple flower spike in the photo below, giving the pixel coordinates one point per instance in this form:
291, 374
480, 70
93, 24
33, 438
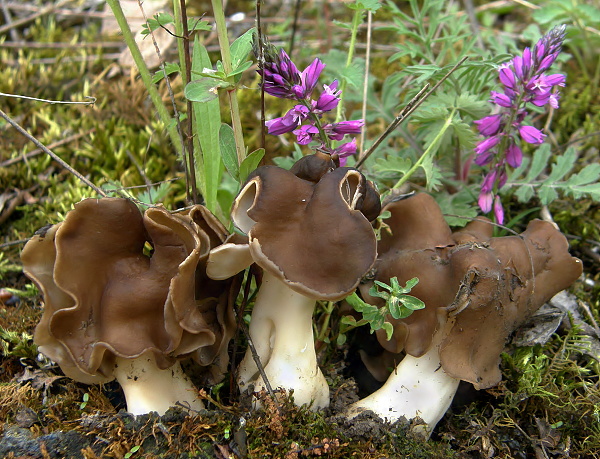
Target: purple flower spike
280, 75
531, 135
524, 82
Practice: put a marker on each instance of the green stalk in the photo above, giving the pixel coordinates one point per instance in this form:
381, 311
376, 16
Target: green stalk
163, 113
427, 152
180, 39
356, 20
226, 58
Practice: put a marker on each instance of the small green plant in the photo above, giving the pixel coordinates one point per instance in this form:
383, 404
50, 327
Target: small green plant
18, 345
132, 451
398, 304
85, 400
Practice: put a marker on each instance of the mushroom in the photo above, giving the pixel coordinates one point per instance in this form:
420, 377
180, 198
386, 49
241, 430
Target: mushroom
113, 311
308, 230
477, 291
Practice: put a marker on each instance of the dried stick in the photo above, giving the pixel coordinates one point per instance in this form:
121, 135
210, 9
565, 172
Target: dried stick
92, 100
414, 103
261, 66
363, 132
54, 156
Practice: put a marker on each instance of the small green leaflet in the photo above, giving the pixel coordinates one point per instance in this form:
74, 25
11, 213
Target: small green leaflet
250, 163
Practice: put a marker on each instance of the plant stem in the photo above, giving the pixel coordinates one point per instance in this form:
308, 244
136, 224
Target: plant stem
356, 20
427, 152
226, 57
163, 113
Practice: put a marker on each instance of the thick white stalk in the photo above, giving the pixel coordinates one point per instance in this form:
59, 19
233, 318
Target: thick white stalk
282, 333
419, 387
148, 388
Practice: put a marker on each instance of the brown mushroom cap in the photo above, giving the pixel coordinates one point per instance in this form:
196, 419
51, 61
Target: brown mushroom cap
115, 300
487, 286
309, 234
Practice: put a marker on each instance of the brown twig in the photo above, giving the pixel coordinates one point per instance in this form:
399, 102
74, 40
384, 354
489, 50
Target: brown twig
59, 45
261, 66
190, 118
54, 156
14, 36
414, 103
363, 130
294, 24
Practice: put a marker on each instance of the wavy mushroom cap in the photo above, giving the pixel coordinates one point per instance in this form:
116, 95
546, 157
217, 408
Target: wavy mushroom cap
312, 235
486, 286
104, 297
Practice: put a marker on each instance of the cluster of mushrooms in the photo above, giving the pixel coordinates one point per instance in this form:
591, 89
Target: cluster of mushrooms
131, 297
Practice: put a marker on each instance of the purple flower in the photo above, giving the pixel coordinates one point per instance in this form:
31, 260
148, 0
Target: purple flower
523, 82
304, 134
309, 78
280, 75
345, 150
490, 125
514, 155
329, 98
498, 210
487, 144
485, 202
287, 123
531, 135
501, 99
337, 131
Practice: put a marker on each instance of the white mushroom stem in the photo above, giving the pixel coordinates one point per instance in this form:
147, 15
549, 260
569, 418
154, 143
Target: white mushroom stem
281, 331
419, 387
148, 388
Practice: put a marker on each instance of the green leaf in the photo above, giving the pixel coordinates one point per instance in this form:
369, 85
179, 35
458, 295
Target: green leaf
341, 339
204, 89
170, 68
389, 330
207, 124
564, 164
366, 5
228, 151
250, 163
392, 164
240, 48
159, 20
589, 174
539, 162
525, 193
411, 283
547, 194
195, 24
412, 303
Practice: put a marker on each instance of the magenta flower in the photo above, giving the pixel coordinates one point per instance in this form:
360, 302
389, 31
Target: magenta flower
304, 134
498, 210
531, 135
337, 131
523, 81
287, 123
514, 155
329, 98
490, 125
282, 79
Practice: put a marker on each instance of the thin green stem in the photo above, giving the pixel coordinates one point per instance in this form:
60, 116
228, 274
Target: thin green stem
430, 150
163, 113
356, 20
328, 311
227, 66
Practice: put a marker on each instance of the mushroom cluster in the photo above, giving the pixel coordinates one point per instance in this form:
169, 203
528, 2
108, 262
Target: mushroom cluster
127, 297
309, 230
477, 290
